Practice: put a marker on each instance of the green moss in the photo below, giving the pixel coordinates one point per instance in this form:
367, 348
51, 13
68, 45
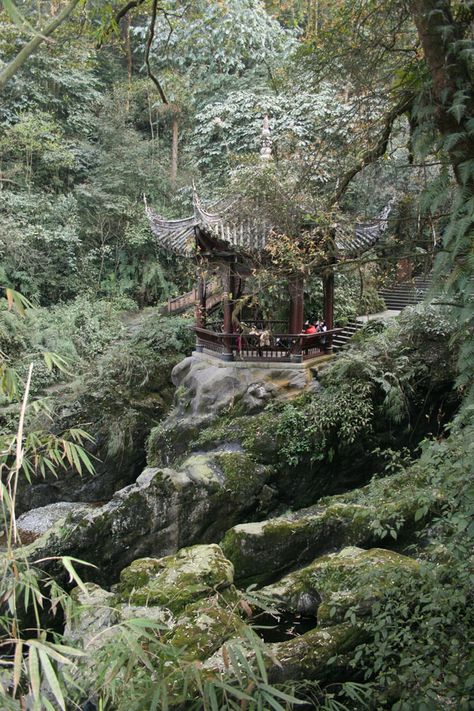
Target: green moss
307, 657
242, 476
254, 433
204, 627
176, 580
340, 581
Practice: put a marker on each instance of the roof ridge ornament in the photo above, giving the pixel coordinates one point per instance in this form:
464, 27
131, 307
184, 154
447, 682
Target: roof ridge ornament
266, 141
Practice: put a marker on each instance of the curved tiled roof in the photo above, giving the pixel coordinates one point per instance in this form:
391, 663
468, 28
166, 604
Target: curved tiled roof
221, 221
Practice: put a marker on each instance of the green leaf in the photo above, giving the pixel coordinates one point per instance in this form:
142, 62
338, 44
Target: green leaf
34, 674
73, 575
51, 677
280, 694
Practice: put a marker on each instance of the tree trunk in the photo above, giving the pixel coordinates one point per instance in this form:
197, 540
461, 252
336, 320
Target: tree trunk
125, 31
452, 86
174, 150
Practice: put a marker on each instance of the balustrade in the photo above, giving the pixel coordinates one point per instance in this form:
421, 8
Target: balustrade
264, 342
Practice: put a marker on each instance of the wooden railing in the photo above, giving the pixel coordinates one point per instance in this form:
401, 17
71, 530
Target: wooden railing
185, 301
265, 345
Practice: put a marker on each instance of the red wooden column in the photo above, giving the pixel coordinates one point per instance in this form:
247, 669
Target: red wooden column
328, 294
200, 310
296, 304
227, 303
200, 313
296, 313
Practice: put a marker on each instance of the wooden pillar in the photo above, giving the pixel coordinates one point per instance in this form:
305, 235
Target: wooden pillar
328, 291
296, 304
296, 315
227, 304
201, 313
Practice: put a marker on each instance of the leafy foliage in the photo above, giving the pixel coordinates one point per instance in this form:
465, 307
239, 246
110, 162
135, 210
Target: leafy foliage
418, 653
388, 384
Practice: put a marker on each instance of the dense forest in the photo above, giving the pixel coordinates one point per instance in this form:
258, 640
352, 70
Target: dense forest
180, 538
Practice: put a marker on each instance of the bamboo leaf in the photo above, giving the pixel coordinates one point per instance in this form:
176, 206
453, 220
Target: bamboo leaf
34, 674
273, 702
73, 575
233, 690
17, 664
280, 694
52, 678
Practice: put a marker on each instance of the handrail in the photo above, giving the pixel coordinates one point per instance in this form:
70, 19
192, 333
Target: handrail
276, 346
320, 334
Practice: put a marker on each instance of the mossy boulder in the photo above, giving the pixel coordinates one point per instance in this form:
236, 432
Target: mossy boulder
255, 435
100, 612
307, 656
165, 510
262, 550
208, 389
176, 580
204, 626
385, 508
333, 583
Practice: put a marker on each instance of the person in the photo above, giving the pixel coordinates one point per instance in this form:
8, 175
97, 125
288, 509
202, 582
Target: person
309, 327
323, 329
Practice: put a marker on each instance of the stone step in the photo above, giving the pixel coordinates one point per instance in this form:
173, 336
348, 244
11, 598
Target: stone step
341, 339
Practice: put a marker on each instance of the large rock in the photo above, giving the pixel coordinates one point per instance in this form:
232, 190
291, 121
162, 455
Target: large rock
36, 522
165, 510
328, 587
383, 509
176, 580
207, 388
190, 595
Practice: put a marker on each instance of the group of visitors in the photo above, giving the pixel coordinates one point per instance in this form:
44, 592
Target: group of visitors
315, 326
261, 338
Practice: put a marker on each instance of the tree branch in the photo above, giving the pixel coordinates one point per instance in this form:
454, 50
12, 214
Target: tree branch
151, 35
376, 151
11, 69
126, 9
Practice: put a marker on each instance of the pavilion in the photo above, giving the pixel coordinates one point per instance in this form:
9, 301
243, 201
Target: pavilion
230, 243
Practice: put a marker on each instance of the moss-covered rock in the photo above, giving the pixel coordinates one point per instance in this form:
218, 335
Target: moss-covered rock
384, 508
204, 627
333, 583
90, 622
176, 580
256, 435
208, 389
307, 656
165, 510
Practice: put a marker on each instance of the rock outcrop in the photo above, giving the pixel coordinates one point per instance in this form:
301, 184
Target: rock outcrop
206, 388
165, 510
190, 597
384, 509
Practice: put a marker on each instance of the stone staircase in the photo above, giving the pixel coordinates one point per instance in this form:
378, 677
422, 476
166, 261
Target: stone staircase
398, 296
341, 339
